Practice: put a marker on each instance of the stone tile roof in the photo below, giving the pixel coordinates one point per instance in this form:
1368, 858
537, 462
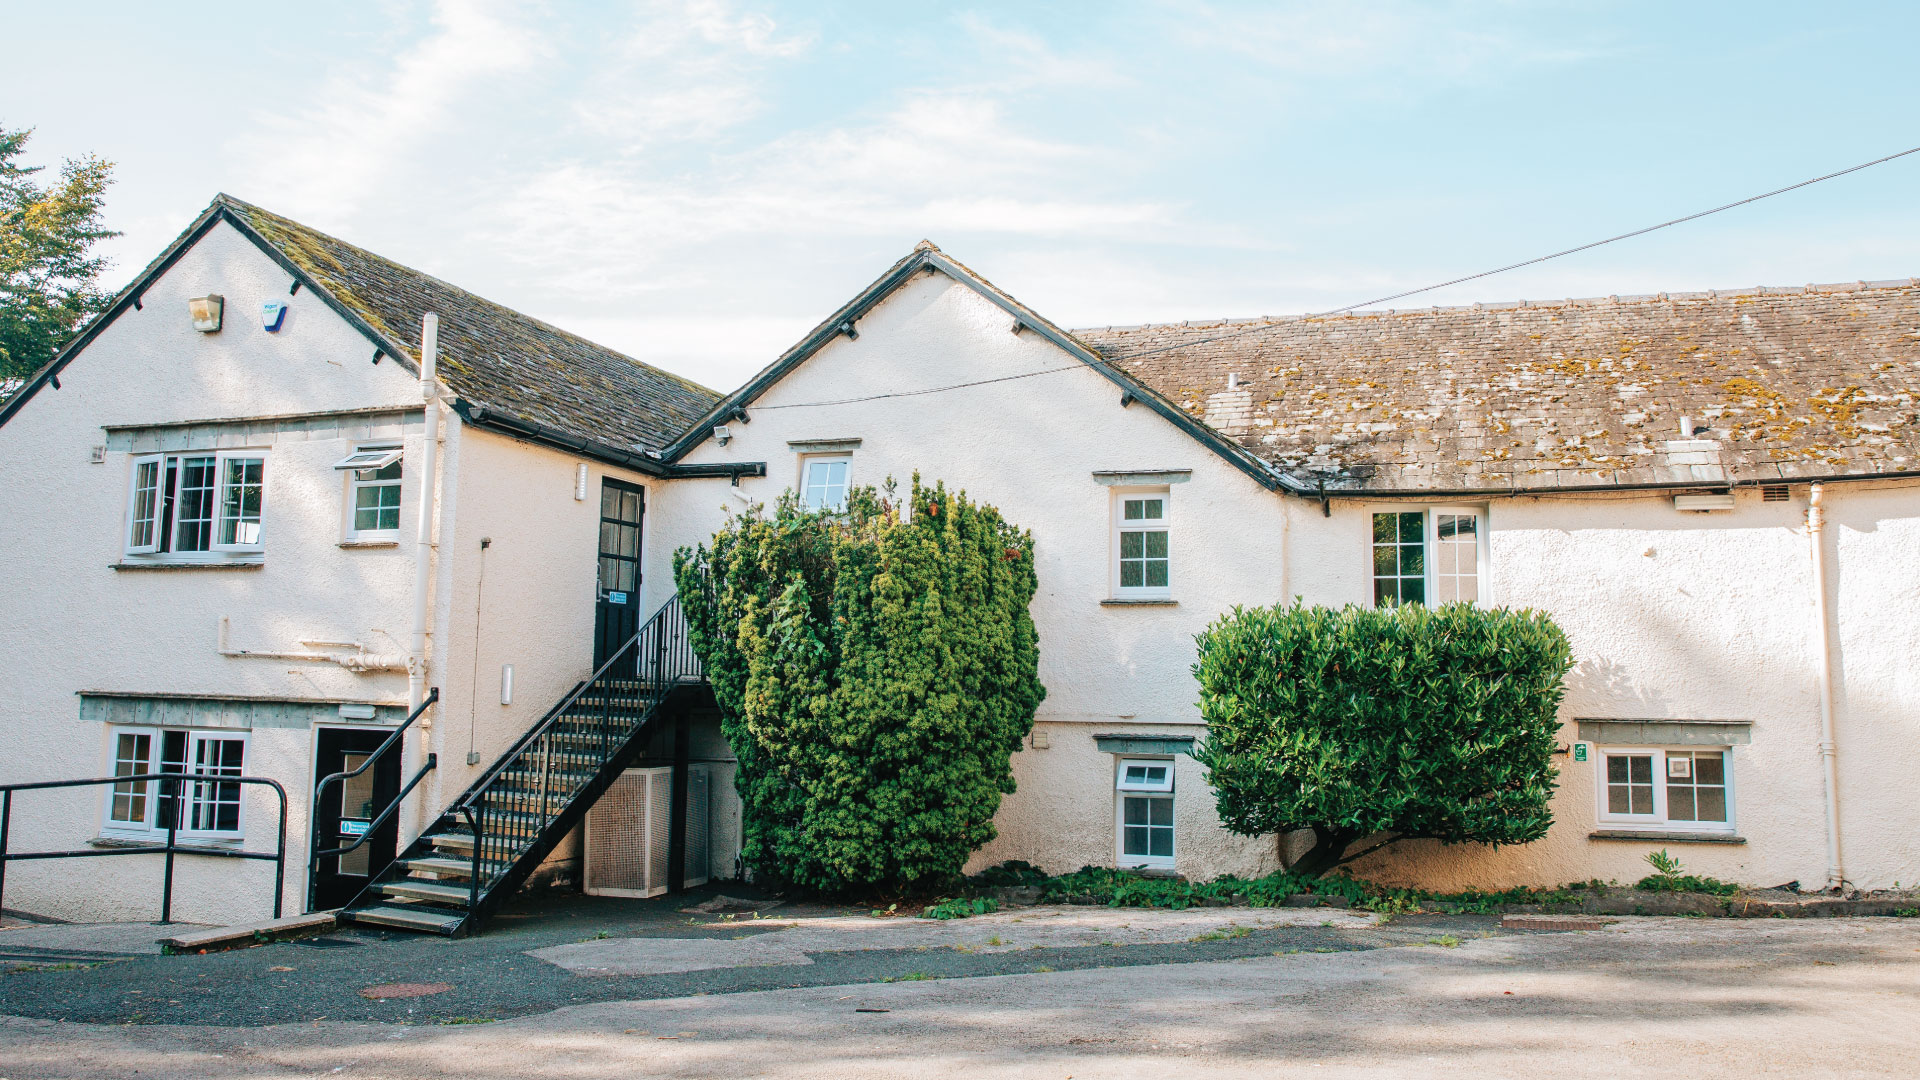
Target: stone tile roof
492, 355
1776, 384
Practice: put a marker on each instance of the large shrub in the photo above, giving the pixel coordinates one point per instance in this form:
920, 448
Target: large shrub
1382, 724
874, 675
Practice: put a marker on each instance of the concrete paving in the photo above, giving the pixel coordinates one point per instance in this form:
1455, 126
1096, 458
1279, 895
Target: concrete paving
778, 942
1646, 997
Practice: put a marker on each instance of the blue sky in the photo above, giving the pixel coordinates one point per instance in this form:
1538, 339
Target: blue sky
697, 183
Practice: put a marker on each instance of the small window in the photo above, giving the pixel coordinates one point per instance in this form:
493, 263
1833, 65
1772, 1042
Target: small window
1427, 556
196, 507
823, 482
373, 492
1144, 794
207, 807
1143, 563
1665, 788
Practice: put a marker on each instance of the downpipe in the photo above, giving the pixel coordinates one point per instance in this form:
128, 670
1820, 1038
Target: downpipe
429, 497
1823, 654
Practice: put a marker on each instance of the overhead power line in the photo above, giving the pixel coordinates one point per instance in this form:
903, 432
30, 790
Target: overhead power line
1364, 303
1529, 262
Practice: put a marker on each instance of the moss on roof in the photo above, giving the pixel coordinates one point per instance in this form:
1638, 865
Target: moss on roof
493, 355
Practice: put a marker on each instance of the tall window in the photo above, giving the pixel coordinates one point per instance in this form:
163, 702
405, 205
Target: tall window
1142, 568
1144, 792
823, 482
1665, 788
206, 806
1427, 556
373, 492
196, 506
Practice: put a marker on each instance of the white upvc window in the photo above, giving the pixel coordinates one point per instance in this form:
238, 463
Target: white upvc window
205, 806
1661, 788
373, 492
823, 481
196, 506
1142, 560
1143, 812
1429, 556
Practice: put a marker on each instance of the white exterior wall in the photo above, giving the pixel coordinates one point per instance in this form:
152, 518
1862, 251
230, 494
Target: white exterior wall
1716, 623
69, 623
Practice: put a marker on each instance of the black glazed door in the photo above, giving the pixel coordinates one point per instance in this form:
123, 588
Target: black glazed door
350, 806
617, 609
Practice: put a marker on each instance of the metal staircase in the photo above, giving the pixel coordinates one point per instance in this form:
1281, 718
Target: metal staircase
451, 878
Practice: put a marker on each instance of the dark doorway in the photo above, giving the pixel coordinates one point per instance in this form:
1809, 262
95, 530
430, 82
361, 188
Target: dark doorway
350, 806
617, 611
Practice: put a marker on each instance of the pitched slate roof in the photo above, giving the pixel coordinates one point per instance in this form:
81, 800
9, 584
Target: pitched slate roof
492, 355
1788, 384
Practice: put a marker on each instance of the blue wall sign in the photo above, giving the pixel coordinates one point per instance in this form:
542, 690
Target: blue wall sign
616, 598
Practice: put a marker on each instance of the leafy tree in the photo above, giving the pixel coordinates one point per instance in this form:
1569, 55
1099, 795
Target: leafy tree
874, 675
1384, 723
48, 274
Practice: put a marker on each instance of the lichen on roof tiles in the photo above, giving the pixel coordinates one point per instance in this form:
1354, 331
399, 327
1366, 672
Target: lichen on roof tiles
1824, 380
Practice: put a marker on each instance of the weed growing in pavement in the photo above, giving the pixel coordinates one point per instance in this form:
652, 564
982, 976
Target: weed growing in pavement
995, 940
911, 976
468, 1020
1907, 913
1231, 932
1445, 941
960, 909
1042, 969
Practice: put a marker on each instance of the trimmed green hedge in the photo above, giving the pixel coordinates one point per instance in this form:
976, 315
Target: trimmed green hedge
1381, 724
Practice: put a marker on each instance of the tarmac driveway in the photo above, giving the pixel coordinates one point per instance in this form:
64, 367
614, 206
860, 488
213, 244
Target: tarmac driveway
1418, 997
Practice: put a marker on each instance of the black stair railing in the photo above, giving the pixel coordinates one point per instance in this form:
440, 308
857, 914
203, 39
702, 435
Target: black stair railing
508, 809
374, 826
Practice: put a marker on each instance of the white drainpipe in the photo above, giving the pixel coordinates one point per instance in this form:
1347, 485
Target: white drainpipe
1829, 753
423, 542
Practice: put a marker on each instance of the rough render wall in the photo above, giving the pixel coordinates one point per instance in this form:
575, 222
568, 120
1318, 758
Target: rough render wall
69, 623
1715, 623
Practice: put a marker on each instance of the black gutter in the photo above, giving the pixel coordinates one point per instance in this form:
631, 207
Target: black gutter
485, 416
930, 258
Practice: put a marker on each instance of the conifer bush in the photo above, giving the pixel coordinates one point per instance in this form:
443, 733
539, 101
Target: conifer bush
875, 673
1381, 724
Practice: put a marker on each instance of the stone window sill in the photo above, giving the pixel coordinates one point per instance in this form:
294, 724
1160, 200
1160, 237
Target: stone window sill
184, 847
1667, 837
234, 564
369, 543
1140, 603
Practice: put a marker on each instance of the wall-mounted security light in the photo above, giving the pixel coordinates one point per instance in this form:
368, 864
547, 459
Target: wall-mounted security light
721, 435
206, 312
273, 313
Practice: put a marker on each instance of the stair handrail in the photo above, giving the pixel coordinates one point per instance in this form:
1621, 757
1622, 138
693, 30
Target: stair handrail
469, 807
553, 715
319, 790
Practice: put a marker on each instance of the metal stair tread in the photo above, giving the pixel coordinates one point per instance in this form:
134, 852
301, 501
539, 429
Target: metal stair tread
432, 864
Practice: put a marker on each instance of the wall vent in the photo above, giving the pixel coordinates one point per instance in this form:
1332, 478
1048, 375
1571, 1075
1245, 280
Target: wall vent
1773, 493
627, 833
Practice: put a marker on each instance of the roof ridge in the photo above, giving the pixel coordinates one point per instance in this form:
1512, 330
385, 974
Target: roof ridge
1811, 288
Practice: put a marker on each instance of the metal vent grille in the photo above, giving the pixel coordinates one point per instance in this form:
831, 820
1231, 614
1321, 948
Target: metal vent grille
629, 835
1773, 493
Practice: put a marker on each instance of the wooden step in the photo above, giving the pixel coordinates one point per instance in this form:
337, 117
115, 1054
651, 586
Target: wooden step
432, 920
413, 889
451, 841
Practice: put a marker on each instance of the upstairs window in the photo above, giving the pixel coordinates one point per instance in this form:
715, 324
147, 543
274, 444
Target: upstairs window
373, 492
823, 482
1143, 565
188, 507
1427, 556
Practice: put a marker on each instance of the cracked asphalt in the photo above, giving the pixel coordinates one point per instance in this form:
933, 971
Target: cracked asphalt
1421, 996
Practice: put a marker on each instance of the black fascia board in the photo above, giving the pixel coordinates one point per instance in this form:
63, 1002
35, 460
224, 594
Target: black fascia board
924, 259
485, 416
216, 212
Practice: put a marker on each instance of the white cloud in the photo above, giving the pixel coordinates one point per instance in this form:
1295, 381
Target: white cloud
329, 159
